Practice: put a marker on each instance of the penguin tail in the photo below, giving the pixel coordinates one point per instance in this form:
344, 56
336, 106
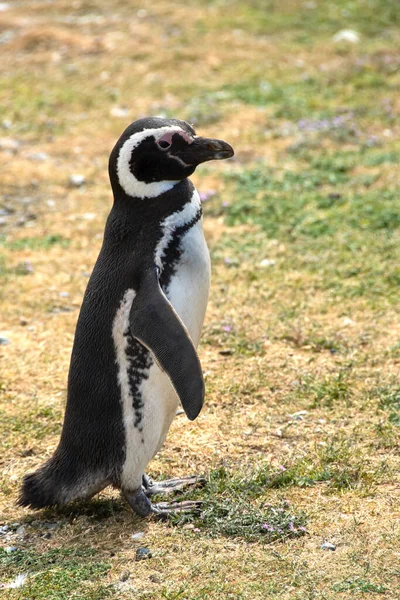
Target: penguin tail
58, 482
39, 489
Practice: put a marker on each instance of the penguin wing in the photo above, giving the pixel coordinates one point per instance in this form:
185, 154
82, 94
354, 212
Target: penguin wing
154, 323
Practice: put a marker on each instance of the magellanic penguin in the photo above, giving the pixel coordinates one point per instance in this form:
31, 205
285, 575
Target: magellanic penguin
134, 355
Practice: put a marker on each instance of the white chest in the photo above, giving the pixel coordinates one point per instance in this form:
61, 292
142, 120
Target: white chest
188, 293
189, 286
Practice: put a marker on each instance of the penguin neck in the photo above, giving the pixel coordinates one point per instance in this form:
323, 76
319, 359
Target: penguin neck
155, 208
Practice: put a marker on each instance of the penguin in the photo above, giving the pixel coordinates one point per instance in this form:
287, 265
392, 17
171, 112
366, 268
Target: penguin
134, 355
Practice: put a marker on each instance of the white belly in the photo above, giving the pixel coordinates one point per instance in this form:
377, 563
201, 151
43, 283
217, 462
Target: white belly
188, 293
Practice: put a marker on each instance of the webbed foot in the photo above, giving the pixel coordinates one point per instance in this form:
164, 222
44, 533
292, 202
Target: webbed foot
151, 488
142, 506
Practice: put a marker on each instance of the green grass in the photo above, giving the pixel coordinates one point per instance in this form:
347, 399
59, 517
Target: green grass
38, 424
35, 243
370, 17
56, 574
341, 233
231, 509
360, 585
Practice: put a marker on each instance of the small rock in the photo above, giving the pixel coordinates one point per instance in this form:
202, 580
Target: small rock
21, 531
226, 352
23, 321
64, 294
39, 156
125, 575
28, 452
77, 180
143, 554
5, 211
267, 262
50, 526
119, 112
347, 35
4, 341
9, 144
188, 526
10, 549
299, 415
138, 535
155, 578
328, 546
4, 529
15, 525
347, 322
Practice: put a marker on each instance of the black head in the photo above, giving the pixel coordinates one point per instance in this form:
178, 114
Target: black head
153, 154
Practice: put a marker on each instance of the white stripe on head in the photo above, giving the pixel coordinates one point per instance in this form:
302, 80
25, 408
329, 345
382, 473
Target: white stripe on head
132, 186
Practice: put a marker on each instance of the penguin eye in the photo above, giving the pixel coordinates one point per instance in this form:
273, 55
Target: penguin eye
164, 144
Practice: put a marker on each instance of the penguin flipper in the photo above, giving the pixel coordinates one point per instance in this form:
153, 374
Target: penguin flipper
154, 323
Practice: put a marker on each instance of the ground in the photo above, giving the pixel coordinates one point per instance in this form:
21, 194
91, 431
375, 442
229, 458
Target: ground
298, 439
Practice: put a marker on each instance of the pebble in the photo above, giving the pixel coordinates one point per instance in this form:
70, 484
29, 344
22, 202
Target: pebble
143, 554
4, 529
10, 549
138, 535
347, 35
267, 262
21, 531
155, 578
4, 341
77, 180
125, 575
9, 144
119, 112
328, 546
299, 415
5, 211
39, 156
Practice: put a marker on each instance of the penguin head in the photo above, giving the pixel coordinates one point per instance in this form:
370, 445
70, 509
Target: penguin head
154, 154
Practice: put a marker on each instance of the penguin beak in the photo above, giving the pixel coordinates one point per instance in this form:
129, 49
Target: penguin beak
203, 149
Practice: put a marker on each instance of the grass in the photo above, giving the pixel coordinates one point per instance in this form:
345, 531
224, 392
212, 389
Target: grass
301, 342
35, 243
61, 572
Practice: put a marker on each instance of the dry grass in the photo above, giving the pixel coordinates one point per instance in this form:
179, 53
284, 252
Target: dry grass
302, 338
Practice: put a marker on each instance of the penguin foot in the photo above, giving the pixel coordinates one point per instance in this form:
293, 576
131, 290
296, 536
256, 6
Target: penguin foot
168, 486
163, 510
142, 506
